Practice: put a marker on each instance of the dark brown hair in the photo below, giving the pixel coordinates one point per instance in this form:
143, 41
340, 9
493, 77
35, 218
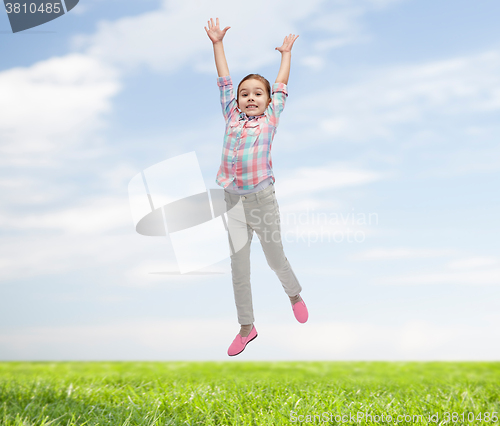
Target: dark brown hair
256, 77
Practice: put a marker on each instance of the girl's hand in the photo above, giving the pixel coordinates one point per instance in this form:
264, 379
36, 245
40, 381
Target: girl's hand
214, 32
287, 43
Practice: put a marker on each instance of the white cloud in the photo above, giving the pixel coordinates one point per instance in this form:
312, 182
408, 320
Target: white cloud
51, 114
473, 262
394, 104
481, 156
98, 231
413, 340
398, 253
35, 254
53, 105
124, 260
475, 277
27, 190
209, 339
313, 62
173, 37
93, 217
326, 176
469, 271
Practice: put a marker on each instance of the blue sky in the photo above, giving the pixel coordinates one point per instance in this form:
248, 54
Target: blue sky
392, 114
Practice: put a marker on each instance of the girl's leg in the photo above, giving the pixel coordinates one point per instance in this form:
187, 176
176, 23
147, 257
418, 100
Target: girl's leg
240, 271
245, 330
269, 233
239, 232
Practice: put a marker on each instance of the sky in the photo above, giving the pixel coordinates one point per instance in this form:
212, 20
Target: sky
386, 162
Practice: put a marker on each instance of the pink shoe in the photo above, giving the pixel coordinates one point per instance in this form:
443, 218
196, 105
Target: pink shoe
300, 311
239, 343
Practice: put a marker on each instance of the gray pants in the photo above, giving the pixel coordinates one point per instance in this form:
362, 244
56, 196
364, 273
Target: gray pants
259, 212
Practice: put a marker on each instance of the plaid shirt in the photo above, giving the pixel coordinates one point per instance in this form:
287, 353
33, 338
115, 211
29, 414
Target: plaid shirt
246, 154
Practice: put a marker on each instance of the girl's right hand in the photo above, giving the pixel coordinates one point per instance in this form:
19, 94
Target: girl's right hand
214, 32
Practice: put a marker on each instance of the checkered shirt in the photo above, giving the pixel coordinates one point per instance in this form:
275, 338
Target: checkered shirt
246, 154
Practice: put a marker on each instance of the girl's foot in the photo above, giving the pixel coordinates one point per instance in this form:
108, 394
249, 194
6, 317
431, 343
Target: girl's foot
240, 342
295, 299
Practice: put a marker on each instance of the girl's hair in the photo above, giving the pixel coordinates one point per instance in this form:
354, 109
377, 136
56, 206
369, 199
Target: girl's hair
256, 77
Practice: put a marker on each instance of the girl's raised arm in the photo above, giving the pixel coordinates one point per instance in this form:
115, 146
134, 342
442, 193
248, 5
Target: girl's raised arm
216, 35
286, 55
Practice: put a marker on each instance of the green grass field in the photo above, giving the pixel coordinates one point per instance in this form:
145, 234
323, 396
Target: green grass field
248, 393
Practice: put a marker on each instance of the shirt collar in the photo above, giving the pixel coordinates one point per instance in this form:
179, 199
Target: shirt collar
243, 116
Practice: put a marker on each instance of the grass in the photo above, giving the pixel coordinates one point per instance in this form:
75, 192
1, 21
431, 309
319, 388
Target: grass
247, 393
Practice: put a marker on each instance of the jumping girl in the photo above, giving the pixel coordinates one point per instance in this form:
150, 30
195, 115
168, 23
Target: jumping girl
247, 177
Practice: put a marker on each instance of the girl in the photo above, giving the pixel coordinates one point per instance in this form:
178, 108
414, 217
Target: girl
247, 177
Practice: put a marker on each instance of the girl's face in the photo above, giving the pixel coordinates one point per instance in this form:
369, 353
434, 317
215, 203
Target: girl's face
253, 98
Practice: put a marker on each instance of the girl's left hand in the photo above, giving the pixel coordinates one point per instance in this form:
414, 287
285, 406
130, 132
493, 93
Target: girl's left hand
287, 43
